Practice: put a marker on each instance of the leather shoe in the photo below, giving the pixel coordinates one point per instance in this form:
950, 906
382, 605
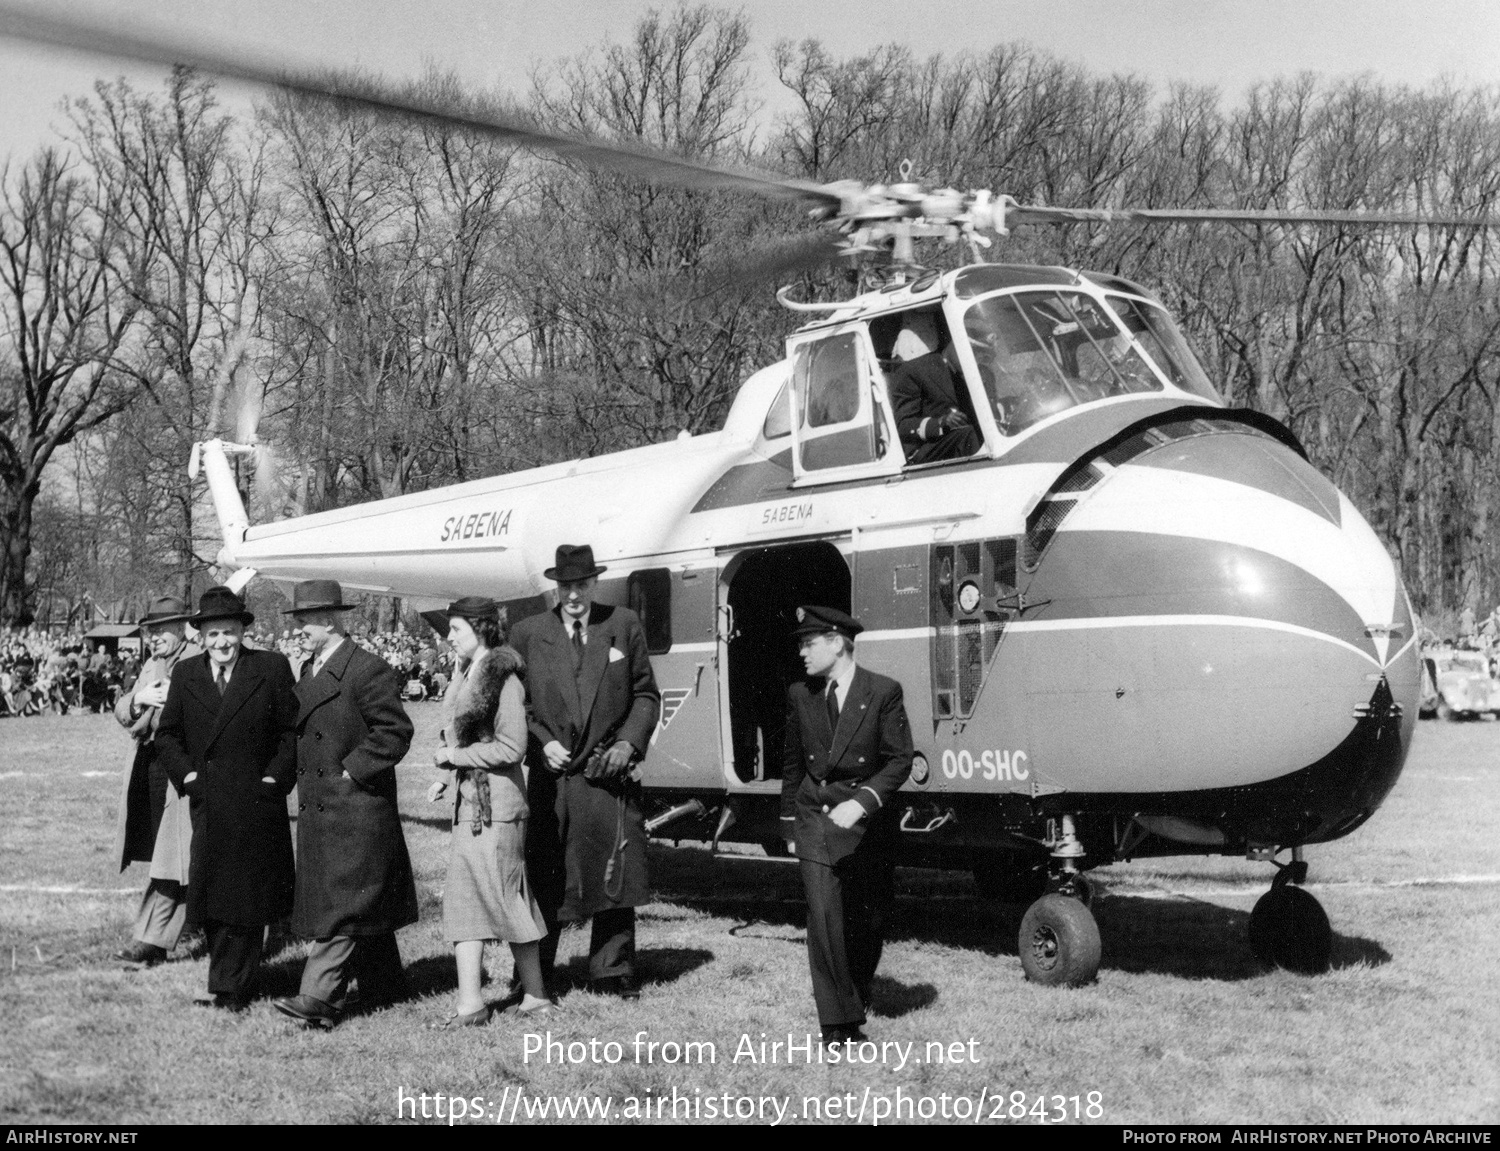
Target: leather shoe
142, 954
310, 1012
623, 986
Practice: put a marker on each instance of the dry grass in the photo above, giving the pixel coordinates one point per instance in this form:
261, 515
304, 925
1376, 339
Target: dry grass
1183, 1025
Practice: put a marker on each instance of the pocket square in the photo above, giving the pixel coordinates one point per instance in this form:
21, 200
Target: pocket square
615, 654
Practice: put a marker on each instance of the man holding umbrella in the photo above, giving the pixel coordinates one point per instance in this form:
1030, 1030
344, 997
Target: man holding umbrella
354, 877
155, 826
228, 739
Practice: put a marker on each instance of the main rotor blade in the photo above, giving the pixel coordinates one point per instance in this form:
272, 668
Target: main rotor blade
630, 160
792, 255
1041, 214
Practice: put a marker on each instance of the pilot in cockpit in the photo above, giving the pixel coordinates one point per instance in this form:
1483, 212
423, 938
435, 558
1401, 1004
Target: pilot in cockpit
930, 403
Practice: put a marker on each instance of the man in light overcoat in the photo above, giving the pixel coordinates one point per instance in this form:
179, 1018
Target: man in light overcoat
592, 704
155, 825
354, 877
228, 739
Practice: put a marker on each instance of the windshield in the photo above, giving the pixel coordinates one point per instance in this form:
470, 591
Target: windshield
1164, 342
1040, 353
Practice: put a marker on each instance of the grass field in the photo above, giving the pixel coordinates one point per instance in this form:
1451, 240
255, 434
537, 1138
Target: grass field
1182, 1025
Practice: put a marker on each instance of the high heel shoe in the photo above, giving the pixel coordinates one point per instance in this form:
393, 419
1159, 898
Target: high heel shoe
478, 1018
532, 1008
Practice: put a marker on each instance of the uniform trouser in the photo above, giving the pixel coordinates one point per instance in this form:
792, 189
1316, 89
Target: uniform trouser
847, 906
374, 960
162, 914
955, 445
233, 958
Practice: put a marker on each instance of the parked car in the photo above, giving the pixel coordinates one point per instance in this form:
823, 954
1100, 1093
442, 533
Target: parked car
1466, 689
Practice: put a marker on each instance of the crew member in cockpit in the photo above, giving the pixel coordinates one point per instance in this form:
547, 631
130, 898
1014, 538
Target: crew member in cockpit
931, 416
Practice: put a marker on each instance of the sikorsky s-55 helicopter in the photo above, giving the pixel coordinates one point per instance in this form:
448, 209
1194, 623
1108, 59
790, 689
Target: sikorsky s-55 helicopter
1136, 622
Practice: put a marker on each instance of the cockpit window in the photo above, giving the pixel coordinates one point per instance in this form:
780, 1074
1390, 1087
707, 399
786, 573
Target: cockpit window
1040, 353
1164, 342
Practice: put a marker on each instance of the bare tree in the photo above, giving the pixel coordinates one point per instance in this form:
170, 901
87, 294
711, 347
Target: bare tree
68, 274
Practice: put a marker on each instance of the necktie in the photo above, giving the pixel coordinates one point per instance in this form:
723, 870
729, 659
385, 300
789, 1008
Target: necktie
577, 642
220, 679
833, 707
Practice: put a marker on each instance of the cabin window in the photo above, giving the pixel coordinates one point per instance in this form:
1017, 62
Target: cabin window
835, 415
650, 595
779, 418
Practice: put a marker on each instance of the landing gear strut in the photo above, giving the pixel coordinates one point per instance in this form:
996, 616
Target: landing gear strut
1288, 927
1059, 940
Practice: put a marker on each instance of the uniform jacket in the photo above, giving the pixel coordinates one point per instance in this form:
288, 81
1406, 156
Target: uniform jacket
148, 803
867, 760
242, 870
354, 875
611, 696
923, 389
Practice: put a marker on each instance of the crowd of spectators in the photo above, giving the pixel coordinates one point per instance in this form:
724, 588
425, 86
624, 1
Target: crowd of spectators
62, 671
424, 666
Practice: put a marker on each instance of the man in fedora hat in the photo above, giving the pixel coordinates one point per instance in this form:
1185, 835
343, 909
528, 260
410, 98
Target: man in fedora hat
847, 750
592, 704
228, 739
154, 824
354, 877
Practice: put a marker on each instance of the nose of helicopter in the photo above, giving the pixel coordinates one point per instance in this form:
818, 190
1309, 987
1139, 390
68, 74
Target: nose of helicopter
1255, 629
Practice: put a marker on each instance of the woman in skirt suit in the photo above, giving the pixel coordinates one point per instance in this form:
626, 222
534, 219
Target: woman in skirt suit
484, 743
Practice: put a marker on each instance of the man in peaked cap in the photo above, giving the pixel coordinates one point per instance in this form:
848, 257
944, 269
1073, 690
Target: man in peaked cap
228, 739
155, 826
848, 750
592, 704
354, 877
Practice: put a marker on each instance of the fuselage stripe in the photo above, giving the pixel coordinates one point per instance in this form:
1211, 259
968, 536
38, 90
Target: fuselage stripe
1186, 621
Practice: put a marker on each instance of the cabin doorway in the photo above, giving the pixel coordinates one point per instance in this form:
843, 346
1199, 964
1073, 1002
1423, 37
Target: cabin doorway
762, 589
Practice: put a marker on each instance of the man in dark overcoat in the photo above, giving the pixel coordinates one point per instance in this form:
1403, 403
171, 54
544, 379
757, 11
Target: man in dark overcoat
228, 739
592, 704
848, 750
354, 878
155, 825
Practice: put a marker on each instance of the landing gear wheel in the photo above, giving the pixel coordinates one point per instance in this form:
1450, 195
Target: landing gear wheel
1059, 942
1289, 928
1009, 880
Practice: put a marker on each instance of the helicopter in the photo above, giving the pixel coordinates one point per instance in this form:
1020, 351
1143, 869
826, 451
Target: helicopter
1135, 622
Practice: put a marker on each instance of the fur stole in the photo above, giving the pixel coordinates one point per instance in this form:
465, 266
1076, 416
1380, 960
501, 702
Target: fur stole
478, 699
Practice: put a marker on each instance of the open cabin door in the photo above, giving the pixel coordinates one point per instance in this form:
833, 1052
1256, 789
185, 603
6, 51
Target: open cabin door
760, 589
843, 426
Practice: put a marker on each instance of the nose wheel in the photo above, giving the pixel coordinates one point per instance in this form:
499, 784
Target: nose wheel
1059, 940
1288, 927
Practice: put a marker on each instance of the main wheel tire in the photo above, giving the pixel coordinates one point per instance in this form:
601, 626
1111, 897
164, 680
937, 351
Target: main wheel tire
1010, 880
1059, 942
1289, 928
